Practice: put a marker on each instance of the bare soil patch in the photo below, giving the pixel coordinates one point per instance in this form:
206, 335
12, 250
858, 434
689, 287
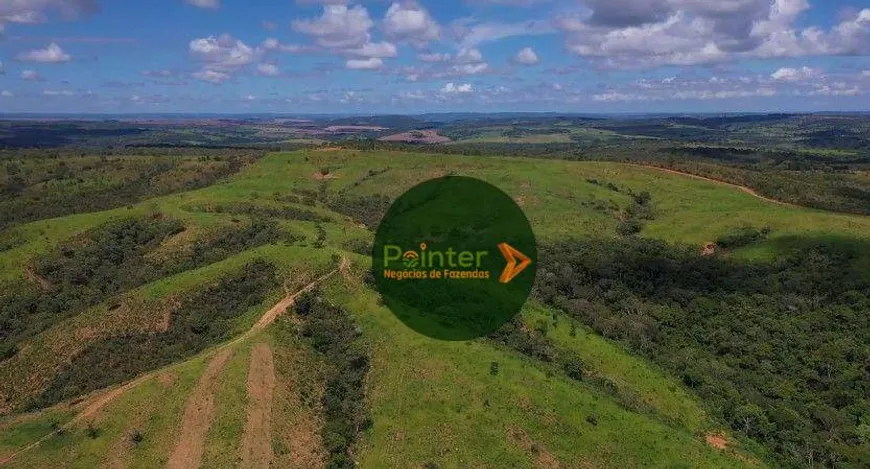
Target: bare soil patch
257, 450
541, 457
198, 415
417, 136
717, 440
354, 128
323, 177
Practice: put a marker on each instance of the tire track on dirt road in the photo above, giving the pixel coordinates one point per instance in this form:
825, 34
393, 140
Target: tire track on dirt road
257, 439
198, 415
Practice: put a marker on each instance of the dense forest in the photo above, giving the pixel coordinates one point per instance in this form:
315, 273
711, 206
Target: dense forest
780, 351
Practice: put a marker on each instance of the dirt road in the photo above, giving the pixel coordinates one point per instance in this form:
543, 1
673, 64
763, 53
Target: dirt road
745, 189
257, 439
198, 415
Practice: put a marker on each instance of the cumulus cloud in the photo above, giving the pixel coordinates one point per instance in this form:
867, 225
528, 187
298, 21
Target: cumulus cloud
374, 49
31, 75
795, 74
212, 76
468, 56
211, 4
451, 88
268, 70
221, 56
51, 54
274, 45
467, 61
410, 22
526, 56
6, 94
339, 27
222, 52
648, 33
372, 63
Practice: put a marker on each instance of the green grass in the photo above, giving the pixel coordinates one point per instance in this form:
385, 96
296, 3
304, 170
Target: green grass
431, 401
633, 376
153, 408
225, 435
437, 402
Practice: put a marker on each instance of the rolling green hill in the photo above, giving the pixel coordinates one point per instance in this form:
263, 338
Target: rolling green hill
283, 224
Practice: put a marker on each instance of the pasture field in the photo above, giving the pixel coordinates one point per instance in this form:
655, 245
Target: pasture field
440, 404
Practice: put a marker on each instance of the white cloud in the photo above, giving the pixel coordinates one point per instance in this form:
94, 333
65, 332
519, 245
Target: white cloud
271, 44
434, 57
835, 89
6, 94
222, 53
51, 54
37, 11
31, 75
468, 56
268, 70
410, 22
649, 33
451, 88
212, 4
796, 74
471, 34
415, 95
526, 56
211, 76
469, 69
374, 49
339, 27
372, 63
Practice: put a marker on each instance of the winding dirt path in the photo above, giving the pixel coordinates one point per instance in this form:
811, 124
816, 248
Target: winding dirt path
110, 395
257, 440
745, 189
198, 415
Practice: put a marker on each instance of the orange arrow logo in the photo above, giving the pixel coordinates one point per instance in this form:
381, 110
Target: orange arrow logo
512, 269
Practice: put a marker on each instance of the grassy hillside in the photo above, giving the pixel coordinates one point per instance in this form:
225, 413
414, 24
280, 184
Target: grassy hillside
432, 403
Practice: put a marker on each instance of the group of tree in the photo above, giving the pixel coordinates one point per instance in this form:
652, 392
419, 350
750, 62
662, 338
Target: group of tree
779, 350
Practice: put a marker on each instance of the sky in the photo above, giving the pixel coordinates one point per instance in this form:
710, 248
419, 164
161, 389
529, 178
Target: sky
416, 56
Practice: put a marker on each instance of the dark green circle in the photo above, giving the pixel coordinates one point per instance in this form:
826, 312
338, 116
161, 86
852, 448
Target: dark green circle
469, 218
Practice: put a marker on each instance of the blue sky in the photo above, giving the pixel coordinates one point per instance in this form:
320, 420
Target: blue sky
380, 56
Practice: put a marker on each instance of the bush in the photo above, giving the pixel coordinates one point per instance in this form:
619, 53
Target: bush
331, 332
742, 236
629, 227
